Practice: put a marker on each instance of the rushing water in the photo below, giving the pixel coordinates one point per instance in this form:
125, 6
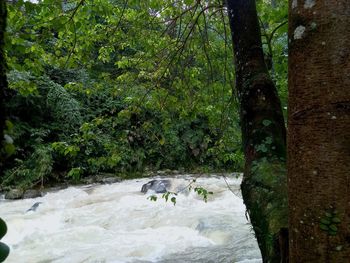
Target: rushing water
117, 223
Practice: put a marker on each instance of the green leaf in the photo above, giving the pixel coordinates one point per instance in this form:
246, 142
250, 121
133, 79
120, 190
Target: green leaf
9, 125
4, 251
154, 4
266, 122
173, 200
336, 220
324, 227
333, 228
3, 228
268, 140
9, 149
328, 214
152, 198
325, 221
75, 173
166, 196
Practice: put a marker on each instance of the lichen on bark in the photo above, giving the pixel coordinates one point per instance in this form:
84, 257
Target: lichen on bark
263, 135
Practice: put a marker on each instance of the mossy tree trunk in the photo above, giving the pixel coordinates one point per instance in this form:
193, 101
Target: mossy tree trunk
319, 131
263, 135
3, 80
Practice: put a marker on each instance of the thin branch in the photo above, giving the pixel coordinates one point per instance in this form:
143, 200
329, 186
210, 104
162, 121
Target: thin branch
81, 2
120, 18
206, 42
274, 31
229, 187
74, 45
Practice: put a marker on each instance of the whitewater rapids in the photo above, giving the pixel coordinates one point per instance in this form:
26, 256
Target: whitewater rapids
118, 224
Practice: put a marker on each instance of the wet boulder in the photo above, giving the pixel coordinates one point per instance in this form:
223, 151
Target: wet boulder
14, 194
158, 186
110, 180
31, 193
34, 207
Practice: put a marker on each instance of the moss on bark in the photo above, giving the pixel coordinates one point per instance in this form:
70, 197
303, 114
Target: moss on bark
263, 135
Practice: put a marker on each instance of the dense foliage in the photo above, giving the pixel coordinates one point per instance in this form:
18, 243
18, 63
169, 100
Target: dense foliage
109, 86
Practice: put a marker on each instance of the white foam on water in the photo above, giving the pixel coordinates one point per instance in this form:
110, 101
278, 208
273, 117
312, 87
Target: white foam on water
117, 223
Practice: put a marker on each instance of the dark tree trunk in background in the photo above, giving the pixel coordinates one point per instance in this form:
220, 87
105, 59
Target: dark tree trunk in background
319, 131
263, 134
3, 80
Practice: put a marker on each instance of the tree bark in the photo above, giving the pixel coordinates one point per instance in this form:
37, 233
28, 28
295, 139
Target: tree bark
3, 79
319, 131
263, 135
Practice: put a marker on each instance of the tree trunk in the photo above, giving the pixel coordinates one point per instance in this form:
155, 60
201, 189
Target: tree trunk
3, 80
263, 135
319, 131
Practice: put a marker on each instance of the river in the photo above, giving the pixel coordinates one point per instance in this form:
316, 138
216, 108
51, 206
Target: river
117, 223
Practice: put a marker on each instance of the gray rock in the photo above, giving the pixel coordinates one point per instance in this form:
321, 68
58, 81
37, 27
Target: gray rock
149, 173
14, 194
158, 186
110, 180
31, 193
34, 207
167, 171
89, 180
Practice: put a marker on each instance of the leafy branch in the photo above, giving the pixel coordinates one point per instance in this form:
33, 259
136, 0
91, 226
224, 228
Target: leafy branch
201, 191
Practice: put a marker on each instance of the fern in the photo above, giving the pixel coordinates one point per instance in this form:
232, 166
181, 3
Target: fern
32, 171
65, 109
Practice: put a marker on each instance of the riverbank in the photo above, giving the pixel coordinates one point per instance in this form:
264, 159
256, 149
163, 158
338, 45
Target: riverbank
106, 178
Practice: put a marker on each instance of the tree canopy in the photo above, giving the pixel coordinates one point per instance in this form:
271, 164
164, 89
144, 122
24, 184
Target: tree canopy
122, 86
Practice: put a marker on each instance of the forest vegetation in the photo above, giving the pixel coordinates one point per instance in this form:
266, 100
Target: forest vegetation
122, 86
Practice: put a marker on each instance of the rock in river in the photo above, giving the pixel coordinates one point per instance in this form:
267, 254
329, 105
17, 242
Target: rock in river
34, 207
158, 186
32, 193
14, 194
